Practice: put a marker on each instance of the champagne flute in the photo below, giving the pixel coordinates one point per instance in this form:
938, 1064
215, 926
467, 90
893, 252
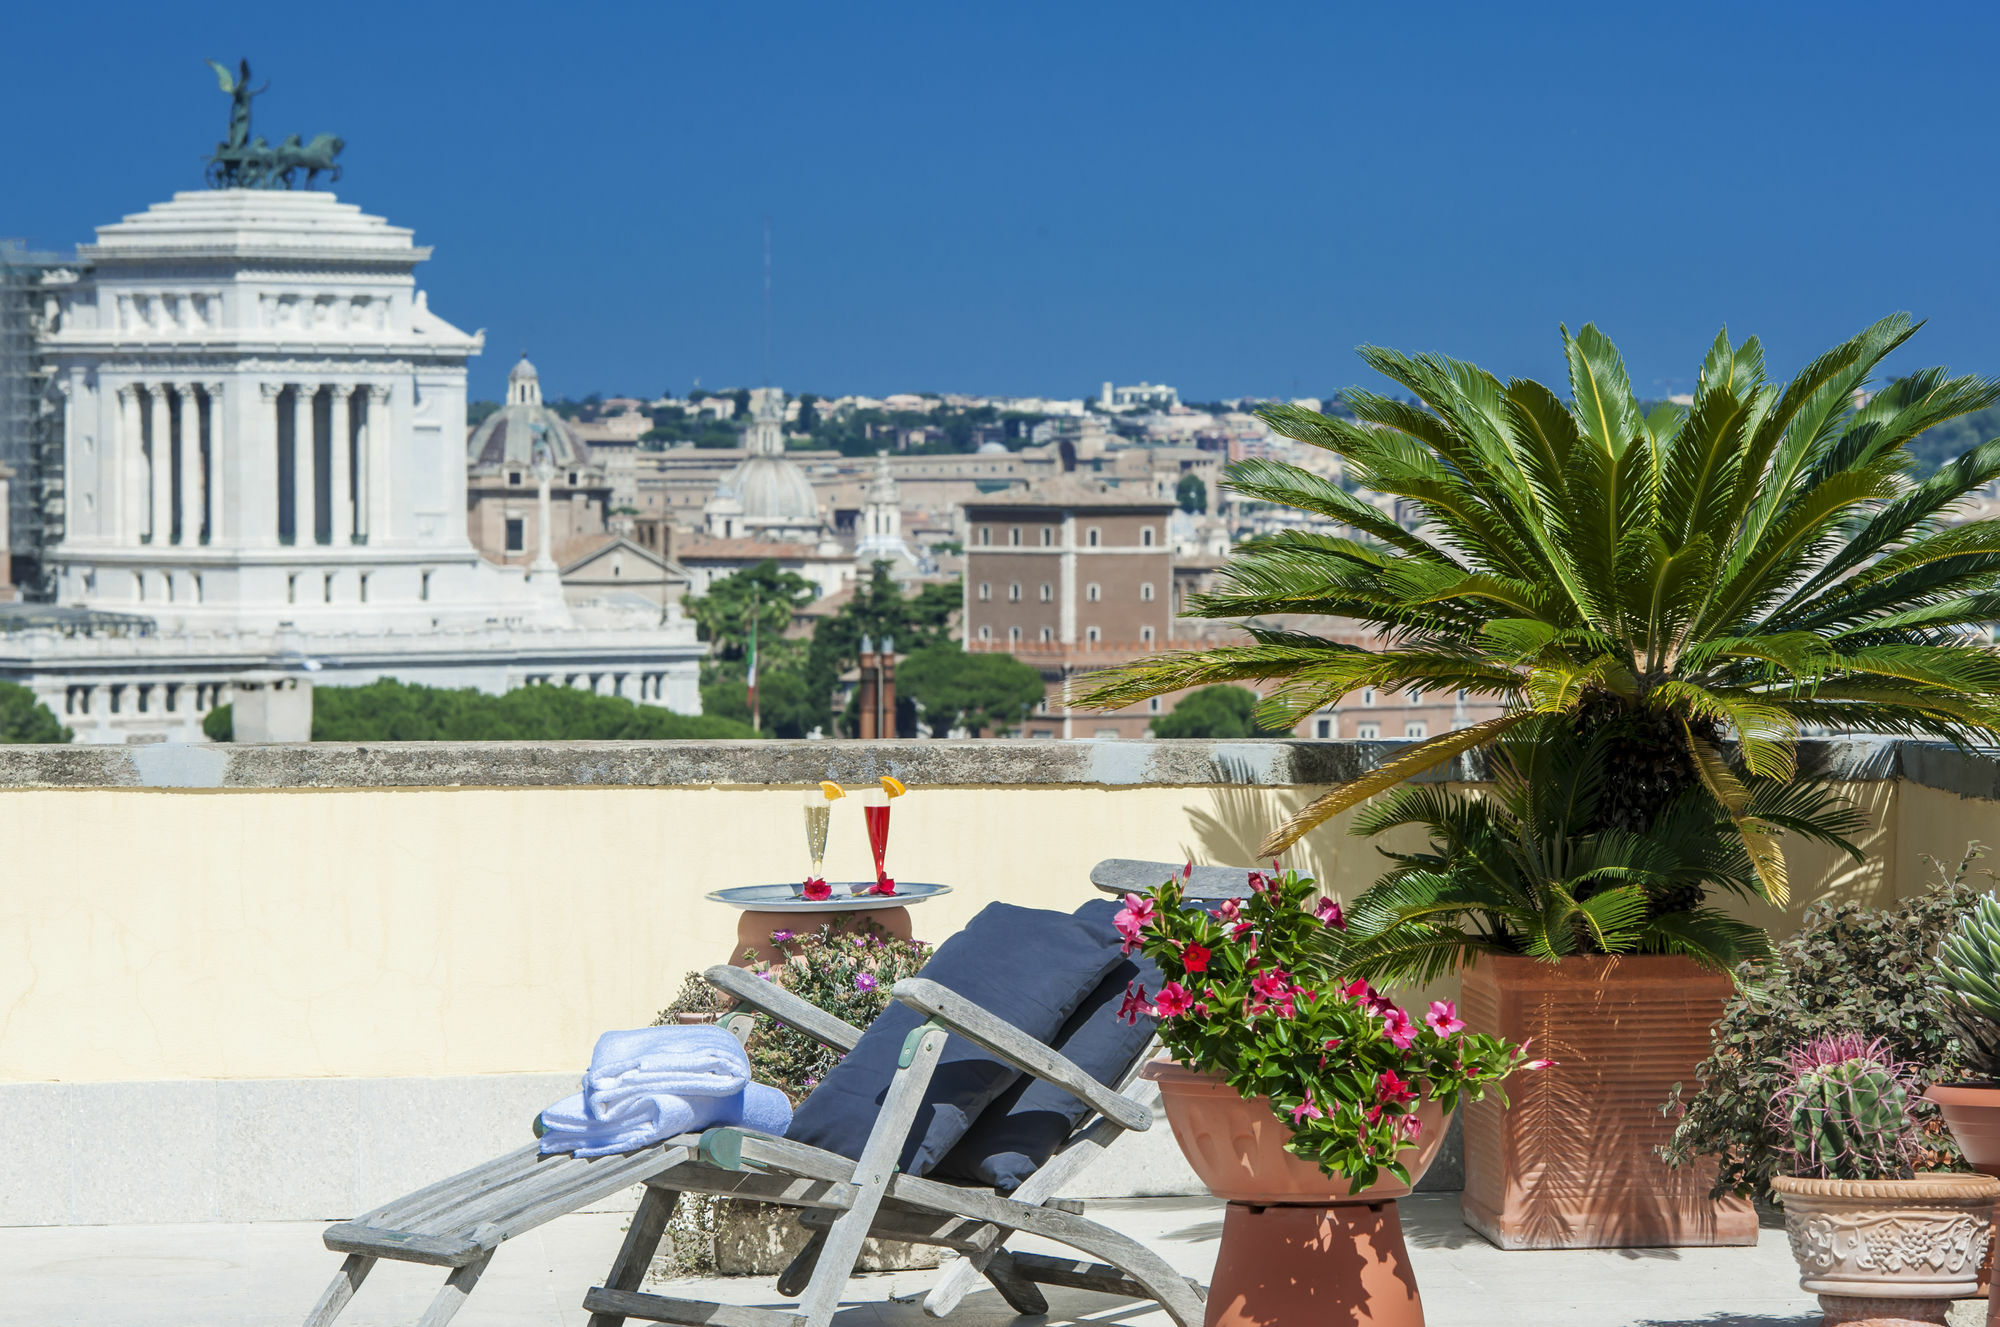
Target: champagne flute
819, 815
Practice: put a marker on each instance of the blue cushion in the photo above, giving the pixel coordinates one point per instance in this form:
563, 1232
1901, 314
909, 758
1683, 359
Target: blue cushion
1029, 966
1030, 1120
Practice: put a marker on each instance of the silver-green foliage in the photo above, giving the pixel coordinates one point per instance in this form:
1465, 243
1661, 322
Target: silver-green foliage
1969, 971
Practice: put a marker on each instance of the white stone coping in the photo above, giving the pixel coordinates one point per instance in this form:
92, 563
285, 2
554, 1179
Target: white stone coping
976, 763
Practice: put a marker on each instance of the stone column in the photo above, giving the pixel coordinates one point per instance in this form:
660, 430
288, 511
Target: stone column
191, 494
341, 499
159, 469
125, 463
305, 505
380, 525
274, 400
364, 430
216, 469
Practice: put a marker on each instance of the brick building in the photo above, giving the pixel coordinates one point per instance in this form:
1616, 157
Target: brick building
1071, 577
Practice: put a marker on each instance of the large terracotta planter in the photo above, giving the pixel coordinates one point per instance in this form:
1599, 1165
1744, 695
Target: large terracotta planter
1972, 1112
1886, 1253
1297, 1247
1570, 1164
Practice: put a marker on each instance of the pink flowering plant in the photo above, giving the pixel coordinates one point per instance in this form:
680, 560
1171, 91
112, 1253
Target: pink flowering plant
1343, 1066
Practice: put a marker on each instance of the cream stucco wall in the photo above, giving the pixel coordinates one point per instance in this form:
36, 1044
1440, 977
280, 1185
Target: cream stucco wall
150, 934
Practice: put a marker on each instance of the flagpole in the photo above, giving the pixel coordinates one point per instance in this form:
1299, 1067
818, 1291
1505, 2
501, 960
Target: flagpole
756, 718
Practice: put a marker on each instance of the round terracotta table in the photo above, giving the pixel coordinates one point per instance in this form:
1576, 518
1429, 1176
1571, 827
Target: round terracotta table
768, 908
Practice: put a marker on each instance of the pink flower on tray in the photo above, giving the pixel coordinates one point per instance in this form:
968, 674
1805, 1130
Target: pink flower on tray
1135, 1003
1172, 1001
1329, 914
816, 889
884, 886
1443, 1018
1194, 958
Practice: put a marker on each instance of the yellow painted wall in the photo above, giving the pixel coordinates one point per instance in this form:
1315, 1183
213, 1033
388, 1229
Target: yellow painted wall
444, 931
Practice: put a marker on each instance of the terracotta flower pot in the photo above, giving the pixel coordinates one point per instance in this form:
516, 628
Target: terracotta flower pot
1885, 1253
1297, 1247
1236, 1145
1570, 1164
1972, 1111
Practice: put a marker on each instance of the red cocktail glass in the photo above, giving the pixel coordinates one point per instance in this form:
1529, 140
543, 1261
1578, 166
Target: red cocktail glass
878, 837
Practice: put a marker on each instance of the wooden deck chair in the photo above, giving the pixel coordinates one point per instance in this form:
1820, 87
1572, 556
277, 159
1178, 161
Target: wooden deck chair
459, 1222
1128, 875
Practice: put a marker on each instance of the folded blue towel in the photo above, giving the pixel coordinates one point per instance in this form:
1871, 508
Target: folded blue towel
650, 1084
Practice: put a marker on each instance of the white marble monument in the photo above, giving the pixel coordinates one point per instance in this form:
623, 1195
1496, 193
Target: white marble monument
264, 452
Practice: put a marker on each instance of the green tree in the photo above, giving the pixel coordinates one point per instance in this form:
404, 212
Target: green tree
742, 398
1214, 712
877, 609
808, 413
25, 719
1760, 562
390, 711
1191, 493
953, 689
723, 614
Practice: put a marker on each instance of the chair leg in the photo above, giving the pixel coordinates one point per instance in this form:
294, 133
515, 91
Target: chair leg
794, 1279
871, 1176
1021, 1294
956, 1283
345, 1282
457, 1288
635, 1255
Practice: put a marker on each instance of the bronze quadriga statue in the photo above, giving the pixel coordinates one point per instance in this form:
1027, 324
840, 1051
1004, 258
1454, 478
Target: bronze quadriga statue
241, 162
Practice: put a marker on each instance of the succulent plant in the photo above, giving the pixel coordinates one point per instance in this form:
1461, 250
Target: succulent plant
1969, 970
1845, 1112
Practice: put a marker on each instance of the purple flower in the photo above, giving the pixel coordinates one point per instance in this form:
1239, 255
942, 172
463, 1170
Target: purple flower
781, 937
865, 982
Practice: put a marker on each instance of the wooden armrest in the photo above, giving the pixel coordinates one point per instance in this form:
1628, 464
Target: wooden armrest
958, 1014
1126, 875
768, 997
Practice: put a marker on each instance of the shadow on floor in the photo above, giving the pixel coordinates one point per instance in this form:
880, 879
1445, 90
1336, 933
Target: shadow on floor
1737, 1320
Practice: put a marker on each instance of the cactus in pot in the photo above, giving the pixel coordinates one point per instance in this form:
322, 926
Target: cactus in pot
1846, 1111
1968, 962
1968, 982
1850, 1141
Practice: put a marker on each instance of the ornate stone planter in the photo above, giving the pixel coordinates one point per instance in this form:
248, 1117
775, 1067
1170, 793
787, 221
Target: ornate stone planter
1297, 1247
1889, 1253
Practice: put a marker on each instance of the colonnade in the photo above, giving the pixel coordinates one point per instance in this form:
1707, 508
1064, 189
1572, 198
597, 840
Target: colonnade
331, 462
169, 479
327, 458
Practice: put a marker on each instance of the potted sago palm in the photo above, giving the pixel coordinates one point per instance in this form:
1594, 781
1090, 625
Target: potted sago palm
1876, 1242
1602, 947
1969, 975
1308, 1104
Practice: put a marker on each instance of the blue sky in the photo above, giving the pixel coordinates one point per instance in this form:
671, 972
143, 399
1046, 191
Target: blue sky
1031, 198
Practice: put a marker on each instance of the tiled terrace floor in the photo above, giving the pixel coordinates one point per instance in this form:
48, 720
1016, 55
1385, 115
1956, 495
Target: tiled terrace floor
270, 1273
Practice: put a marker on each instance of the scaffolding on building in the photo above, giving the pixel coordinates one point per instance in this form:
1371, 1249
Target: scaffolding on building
30, 427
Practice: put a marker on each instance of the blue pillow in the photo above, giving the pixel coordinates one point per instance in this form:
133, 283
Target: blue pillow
1024, 1127
1029, 966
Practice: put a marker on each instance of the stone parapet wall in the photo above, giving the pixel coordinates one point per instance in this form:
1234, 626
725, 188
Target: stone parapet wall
183, 923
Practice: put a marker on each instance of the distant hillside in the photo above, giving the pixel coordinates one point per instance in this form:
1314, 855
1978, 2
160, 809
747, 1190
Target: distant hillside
1948, 442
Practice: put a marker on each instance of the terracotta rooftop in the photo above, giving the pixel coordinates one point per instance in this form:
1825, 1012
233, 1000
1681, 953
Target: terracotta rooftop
1069, 491
749, 550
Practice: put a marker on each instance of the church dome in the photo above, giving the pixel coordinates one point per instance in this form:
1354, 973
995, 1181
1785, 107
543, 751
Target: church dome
773, 488
508, 435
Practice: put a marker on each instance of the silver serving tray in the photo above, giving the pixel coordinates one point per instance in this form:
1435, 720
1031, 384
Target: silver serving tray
846, 897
